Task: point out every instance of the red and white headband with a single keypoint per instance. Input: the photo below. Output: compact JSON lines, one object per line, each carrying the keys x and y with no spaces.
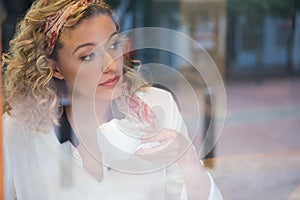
{"x":54,"y":23}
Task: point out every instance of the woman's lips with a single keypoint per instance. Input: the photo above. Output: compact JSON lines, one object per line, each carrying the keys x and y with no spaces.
{"x":110,"y":82}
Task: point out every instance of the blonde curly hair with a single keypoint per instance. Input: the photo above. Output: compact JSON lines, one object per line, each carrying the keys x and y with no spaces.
{"x":30,"y":91}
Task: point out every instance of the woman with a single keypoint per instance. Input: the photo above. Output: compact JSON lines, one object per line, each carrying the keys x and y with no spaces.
{"x":76,"y":44}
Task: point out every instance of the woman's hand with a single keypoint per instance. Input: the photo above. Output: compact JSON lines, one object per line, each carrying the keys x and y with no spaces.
{"x":170,"y":145}
{"x":174,"y":147}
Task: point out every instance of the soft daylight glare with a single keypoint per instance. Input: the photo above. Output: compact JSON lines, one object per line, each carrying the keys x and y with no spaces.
{"x":233,"y":70}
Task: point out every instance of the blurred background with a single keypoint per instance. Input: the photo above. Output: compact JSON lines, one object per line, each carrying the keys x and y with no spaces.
{"x":256,"y":46}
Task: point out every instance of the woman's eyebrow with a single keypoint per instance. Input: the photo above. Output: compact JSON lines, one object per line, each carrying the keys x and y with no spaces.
{"x":83,"y":45}
{"x":91,"y":43}
{"x":114,"y":33}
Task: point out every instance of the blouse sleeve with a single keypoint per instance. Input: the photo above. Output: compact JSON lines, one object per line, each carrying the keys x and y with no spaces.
{"x":166,"y":108}
{"x":9,"y":188}
{"x":168,"y":114}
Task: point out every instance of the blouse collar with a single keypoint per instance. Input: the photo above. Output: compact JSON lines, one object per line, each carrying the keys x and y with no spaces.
{"x":65,"y":132}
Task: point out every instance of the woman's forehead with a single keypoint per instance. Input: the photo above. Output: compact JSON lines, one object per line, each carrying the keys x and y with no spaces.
{"x":96,"y":29}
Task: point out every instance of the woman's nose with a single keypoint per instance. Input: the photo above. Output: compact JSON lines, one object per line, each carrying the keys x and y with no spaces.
{"x":110,"y":63}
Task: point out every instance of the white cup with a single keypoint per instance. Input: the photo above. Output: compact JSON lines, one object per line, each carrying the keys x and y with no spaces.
{"x":118,"y":139}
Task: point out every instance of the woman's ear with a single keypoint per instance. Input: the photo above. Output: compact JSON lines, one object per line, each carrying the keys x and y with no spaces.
{"x":56,"y":71}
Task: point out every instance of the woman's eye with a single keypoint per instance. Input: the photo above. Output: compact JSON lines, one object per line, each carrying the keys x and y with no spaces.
{"x":88,"y":57}
{"x":117,"y":43}
{"x":114,"y":45}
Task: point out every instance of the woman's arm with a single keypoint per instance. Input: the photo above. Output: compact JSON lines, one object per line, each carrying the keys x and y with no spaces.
{"x":197,"y":181}
{"x":176,"y":147}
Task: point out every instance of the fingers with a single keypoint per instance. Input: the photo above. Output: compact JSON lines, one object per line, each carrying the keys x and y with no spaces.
{"x":164,"y":146}
{"x":162,"y":140}
{"x":151,"y":150}
{"x":163,"y":154}
{"x":165,"y":135}
{"x":157,"y":142}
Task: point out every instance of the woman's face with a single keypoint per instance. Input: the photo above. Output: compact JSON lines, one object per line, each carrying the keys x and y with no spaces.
{"x":91,"y":60}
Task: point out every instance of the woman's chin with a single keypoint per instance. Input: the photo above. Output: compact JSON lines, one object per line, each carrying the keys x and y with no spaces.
{"x":108,"y":94}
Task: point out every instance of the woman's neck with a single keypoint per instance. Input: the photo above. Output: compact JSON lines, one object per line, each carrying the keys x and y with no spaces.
{"x":87,"y":112}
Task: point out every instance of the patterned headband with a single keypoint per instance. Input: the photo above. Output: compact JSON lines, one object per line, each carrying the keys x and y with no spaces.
{"x":54,"y":23}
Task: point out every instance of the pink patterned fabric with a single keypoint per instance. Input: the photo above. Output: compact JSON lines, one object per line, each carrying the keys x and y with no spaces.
{"x":54,"y":23}
{"x":136,"y":108}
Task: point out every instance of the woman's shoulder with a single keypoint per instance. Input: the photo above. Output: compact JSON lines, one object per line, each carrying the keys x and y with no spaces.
{"x":159,"y":94}
{"x":10,"y":121}
{"x":12,"y":126}
{"x":17,"y":134}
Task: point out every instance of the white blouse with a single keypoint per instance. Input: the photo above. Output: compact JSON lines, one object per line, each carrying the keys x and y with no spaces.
{"x":39,"y":167}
